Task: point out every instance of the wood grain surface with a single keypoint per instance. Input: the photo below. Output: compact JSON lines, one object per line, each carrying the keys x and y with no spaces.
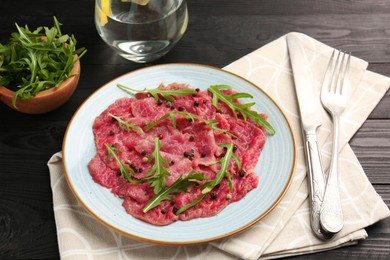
{"x":219,"y":32}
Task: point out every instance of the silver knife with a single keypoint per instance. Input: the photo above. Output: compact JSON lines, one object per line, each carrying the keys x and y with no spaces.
{"x":311,"y":118}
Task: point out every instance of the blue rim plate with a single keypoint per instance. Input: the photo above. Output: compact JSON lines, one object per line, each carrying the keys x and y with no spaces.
{"x":275,"y":167}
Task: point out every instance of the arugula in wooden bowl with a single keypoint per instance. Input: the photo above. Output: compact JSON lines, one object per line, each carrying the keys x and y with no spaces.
{"x":39,"y":70}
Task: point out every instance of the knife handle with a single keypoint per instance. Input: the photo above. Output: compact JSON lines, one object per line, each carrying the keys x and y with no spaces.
{"x":316,"y":183}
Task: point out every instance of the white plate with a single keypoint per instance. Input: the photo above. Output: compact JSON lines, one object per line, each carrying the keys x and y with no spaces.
{"x":274,"y":168}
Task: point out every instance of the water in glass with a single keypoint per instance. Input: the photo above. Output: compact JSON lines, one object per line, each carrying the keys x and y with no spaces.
{"x":141,"y":30}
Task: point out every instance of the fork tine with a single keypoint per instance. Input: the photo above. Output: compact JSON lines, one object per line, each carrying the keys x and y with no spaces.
{"x":337,"y":69}
{"x":342,"y":70}
{"x":327,"y":83}
{"x":344,"y":87}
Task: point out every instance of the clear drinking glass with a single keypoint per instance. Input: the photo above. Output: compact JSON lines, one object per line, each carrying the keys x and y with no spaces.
{"x":141,"y":30}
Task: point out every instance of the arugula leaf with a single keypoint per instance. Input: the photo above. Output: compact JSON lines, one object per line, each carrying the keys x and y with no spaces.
{"x":189,"y":116}
{"x":223,"y":172}
{"x":243,"y":109}
{"x":171,"y":115}
{"x":157,"y":174}
{"x":213,"y":125}
{"x":124,"y":170}
{"x":180,"y":185}
{"x":34,"y":61}
{"x":168,"y":94}
{"x":125,"y":125}
{"x":237,"y":160}
{"x":191,"y":204}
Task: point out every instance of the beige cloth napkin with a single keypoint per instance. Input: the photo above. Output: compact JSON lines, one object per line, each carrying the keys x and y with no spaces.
{"x":286,"y":230}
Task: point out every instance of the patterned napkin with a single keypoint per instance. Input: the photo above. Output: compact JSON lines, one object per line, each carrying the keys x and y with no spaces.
{"x":286,"y":230}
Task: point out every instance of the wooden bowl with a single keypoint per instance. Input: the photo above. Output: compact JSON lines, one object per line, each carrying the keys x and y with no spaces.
{"x":47,"y":100}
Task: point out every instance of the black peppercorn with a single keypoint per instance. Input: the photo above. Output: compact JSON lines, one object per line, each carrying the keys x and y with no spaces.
{"x":213,"y":196}
{"x":180,"y":108}
{"x":196,"y":103}
{"x":175,"y":209}
{"x":143,"y":153}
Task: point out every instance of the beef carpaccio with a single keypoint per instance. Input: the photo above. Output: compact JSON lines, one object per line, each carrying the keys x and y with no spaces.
{"x":175,"y":158}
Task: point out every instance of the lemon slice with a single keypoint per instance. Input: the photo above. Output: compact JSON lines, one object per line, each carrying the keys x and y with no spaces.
{"x":106,"y":7}
{"x":103,"y":12}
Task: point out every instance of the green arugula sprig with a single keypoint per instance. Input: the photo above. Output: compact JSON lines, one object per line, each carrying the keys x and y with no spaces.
{"x":168,"y":94}
{"x":126,"y":125}
{"x":180,"y":185}
{"x":243,"y":109}
{"x":158,"y":173}
{"x":126,"y":171}
{"x":223,"y":172}
{"x":189,"y":116}
{"x":34,"y":61}
{"x":171,"y":115}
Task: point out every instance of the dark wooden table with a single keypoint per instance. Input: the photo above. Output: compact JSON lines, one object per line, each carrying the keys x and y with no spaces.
{"x":219,"y":32}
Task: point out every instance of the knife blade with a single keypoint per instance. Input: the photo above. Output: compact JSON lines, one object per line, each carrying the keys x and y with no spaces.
{"x":311,"y":119}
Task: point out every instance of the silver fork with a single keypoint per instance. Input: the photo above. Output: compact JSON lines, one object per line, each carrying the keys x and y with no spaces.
{"x":334,"y":95}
